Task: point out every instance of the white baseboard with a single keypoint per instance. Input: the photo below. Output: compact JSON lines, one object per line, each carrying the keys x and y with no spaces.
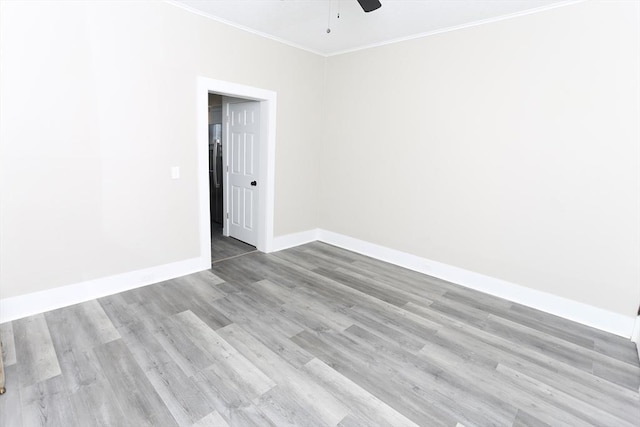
{"x":294,"y":239}
{"x":38,"y":302}
{"x":563,"y":307}
{"x":635,"y":335}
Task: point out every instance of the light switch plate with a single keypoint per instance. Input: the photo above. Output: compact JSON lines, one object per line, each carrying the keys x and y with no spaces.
{"x":175,"y":172}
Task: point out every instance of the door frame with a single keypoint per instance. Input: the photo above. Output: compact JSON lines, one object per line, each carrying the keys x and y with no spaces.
{"x":266,"y":158}
{"x":227,"y":102}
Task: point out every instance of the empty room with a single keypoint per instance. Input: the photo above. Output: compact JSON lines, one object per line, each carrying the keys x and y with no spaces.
{"x":320,"y":213}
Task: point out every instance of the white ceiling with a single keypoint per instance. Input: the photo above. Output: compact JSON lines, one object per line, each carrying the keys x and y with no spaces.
{"x":304,"y":23}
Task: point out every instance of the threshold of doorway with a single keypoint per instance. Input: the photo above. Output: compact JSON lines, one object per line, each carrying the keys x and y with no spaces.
{"x":232,"y":257}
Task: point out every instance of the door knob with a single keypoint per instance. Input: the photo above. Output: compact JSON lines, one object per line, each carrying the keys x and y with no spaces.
{"x":253,"y":183}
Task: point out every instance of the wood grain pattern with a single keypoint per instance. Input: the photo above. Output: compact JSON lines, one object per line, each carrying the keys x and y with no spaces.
{"x":34,"y":350}
{"x":312,"y":336}
{"x":226,"y":247}
{"x":8,"y":344}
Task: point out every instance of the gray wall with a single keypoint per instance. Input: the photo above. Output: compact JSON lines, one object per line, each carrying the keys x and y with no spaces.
{"x":509,"y":149}
{"x":98,"y":103}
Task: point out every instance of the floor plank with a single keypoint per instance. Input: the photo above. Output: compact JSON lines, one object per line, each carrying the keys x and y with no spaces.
{"x":223,"y":247}
{"x":35,"y":350}
{"x":132,"y":389}
{"x":365,"y":406}
{"x":8,"y":344}
{"x":312,"y":336}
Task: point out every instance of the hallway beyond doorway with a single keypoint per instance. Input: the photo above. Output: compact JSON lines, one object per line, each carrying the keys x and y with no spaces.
{"x":223,"y":247}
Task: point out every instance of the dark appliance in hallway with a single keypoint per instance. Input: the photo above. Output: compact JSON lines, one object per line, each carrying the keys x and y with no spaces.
{"x":215,"y":176}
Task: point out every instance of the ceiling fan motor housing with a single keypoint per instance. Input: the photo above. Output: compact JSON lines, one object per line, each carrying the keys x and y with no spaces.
{"x":369,"y":5}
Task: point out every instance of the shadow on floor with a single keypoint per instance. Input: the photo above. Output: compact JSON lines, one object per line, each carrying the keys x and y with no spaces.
{"x":223,"y":247}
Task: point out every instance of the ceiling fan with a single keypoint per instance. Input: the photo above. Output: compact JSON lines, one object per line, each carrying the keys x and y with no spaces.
{"x":369,"y":5}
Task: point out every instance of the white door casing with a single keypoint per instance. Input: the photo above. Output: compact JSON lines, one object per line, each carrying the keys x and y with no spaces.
{"x":243,"y":170}
{"x":268,"y":118}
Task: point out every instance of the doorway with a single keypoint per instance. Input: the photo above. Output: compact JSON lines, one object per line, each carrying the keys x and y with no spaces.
{"x":233,"y":148}
{"x":265,"y":102}
{"x":216,"y":188}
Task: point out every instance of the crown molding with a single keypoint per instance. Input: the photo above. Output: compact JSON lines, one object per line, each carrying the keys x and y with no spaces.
{"x":242,"y":27}
{"x":378,"y":44}
{"x":459,"y":27}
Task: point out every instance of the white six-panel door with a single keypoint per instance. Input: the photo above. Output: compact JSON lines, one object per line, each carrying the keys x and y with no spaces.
{"x":243,"y":129}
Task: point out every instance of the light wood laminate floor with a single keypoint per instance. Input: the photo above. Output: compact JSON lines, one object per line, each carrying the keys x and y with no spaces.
{"x":223,"y":247}
{"x":312,"y":336}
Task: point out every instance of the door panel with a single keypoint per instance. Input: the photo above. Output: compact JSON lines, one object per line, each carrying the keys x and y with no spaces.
{"x":248,"y":204}
{"x":244,"y":132}
{"x":249,"y":158}
{"x":235,"y":205}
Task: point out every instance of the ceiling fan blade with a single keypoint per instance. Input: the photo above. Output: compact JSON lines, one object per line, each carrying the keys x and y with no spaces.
{"x":369,"y":5}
